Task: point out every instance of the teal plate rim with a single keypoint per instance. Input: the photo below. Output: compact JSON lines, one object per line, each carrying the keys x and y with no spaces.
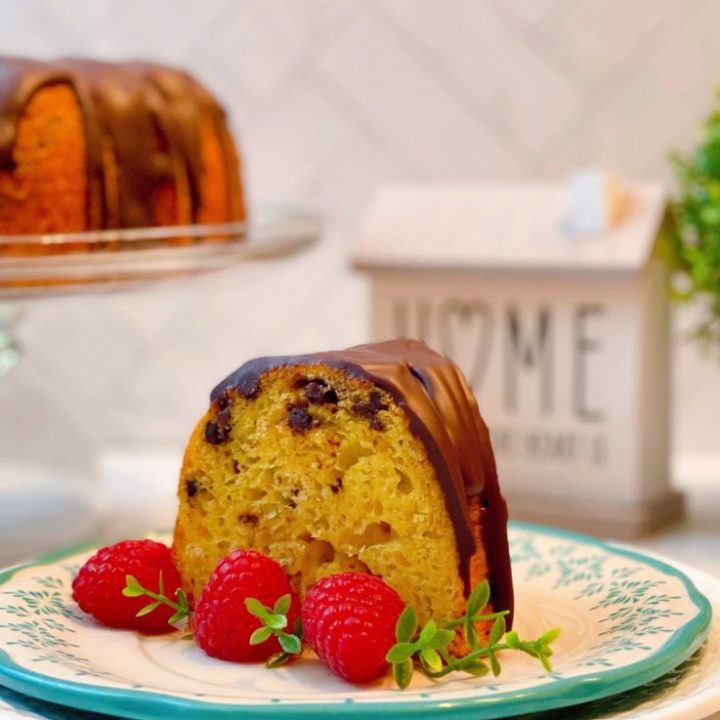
{"x":144,"y":705}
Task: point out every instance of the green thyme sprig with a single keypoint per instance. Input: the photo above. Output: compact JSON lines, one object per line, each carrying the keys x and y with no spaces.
{"x":133,"y":588}
{"x":429,"y":646}
{"x":274,"y":623}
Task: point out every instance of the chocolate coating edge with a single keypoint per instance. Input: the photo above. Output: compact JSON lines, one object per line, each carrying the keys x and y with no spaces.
{"x":444,"y":415}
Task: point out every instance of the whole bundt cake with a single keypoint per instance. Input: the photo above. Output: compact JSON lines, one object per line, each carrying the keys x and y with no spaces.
{"x":94,"y":145}
{"x":373,"y":459}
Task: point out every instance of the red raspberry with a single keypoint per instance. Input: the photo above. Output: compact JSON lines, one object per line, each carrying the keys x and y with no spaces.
{"x":98,"y":586}
{"x":221,"y":622}
{"x":349,"y":621}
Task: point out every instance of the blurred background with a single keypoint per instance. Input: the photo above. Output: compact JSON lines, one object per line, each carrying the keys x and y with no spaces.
{"x":329,"y":99}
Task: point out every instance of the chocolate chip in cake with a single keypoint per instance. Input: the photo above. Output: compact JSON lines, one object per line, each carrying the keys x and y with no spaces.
{"x":224,"y":401}
{"x":218,"y":431}
{"x":336,"y":487}
{"x":249,"y":386}
{"x":191,"y":488}
{"x":299,"y":418}
{"x":371,"y":408}
{"x":291,"y":504}
{"x":318,"y":392}
{"x":236,"y":467}
{"x":249,"y":519}
{"x":315,"y":391}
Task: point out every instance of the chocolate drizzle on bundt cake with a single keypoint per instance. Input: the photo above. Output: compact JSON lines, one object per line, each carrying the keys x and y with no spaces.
{"x":151,"y":144}
{"x":373,"y":458}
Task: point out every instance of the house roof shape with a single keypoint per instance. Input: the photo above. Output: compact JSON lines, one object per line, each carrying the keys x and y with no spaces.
{"x":503,"y":226}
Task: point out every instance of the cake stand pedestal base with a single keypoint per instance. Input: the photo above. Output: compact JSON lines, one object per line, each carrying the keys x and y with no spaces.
{"x":48,"y":477}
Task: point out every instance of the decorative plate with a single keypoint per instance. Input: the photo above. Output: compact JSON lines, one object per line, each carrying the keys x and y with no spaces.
{"x":627,"y":619}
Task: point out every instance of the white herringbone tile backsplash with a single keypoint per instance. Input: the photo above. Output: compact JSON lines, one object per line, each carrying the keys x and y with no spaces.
{"x":329,"y":98}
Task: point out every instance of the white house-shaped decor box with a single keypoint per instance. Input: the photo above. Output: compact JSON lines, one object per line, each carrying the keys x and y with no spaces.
{"x":564,"y":338}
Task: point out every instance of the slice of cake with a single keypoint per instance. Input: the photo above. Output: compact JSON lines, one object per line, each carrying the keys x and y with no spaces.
{"x":90,"y":145}
{"x":372,"y":459}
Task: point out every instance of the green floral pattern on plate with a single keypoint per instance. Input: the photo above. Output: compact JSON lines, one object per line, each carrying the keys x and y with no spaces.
{"x":626,"y":620}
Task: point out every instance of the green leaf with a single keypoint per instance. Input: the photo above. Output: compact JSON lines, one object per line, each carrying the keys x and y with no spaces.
{"x":431,"y":657}
{"x":471,"y":633}
{"x":402,"y":673}
{"x":546,"y":663}
{"x":710,"y":215}
{"x":290,"y":643}
{"x":277,"y":660}
{"x":549,"y":636}
{"x":400,"y":652}
{"x":476,"y":668}
{"x":441,"y":639}
{"x":182,"y":600}
{"x":148,"y":609}
{"x":132,"y":587}
{"x":260,"y":635}
{"x":494,"y":665}
{"x":406,"y":626}
{"x":427,"y":633}
{"x":497,"y":631}
{"x":512,"y":639}
{"x":479,"y":598}
{"x":282,"y":605}
{"x":256,"y":608}
{"x":276,"y":622}
{"x":178,"y":616}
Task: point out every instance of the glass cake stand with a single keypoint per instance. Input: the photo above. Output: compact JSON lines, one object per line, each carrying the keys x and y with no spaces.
{"x":49,"y":494}
{"x":32,"y":266}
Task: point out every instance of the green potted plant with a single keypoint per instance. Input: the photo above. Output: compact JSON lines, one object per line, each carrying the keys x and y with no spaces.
{"x":693,"y":233}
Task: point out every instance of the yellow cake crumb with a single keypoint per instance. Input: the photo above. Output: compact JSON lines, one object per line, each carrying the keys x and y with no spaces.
{"x":348,"y":493}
